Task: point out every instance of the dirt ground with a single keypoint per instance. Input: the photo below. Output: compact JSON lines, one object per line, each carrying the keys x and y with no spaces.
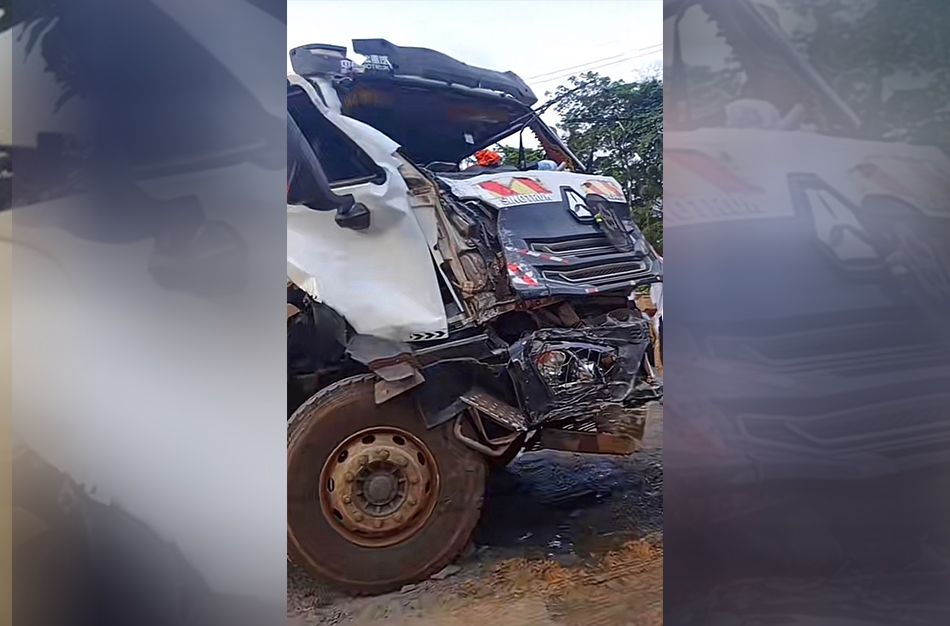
{"x":565,"y":540}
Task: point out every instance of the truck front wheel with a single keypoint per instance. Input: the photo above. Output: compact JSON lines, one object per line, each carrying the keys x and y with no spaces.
{"x":376,"y":500}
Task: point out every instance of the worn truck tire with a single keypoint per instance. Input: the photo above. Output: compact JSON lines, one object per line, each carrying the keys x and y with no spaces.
{"x":375,"y":500}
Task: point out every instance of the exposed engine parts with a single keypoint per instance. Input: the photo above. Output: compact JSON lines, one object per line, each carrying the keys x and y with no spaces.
{"x":566,"y":374}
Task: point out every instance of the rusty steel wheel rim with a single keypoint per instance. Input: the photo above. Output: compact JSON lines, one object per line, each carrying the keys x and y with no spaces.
{"x":378,"y":488}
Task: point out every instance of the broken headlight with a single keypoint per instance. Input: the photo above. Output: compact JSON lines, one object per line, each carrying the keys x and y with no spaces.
{"x":551,"y":366}
{"x":575,"y":365}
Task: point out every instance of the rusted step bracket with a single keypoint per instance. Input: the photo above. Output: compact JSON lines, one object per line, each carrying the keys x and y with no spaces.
{"x":589,"y":443}
{"x":501,"y":412}
{"x":481,"y":404}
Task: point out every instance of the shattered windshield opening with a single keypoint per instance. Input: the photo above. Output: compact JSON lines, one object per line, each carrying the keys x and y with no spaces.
{"x":532,"y":129}
{"x":432,"y":123}
{"x":441,"y":126}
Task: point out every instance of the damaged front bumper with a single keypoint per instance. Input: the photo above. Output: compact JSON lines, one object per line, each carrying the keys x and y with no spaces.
{"x":595,"y":378}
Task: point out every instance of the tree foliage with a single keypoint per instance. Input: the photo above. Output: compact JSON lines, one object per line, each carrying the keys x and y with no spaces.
{"x":617,"y":128}
{"x":890,"y":61}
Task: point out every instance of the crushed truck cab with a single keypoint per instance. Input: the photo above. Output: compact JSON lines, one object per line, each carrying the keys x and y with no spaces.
{"x":444,"y":317}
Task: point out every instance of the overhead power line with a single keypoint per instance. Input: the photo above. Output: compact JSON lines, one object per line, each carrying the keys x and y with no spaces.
{"x":564,"y":74}
{"x":579,"y":65}
{"x":574,"y":67}
{"x":610,"y":43}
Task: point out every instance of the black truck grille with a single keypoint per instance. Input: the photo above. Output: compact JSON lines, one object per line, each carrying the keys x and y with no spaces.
{"x":606,"y":274}
{"x":584,"y":247}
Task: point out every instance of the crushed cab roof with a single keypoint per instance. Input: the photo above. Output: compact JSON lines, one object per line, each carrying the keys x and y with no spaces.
{"x":436,"y":107}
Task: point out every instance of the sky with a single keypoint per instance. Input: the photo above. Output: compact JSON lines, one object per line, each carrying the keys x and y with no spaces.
{"x":543,"y":42}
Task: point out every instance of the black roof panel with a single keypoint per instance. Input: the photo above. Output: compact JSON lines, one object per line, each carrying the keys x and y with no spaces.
{"x":425,"y":63}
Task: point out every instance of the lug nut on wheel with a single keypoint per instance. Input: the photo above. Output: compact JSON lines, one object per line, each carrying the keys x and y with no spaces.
{"x":348,"y":477}
{"x":358,"y":516}
{"x":347,"y":499}
{"x":363,"y":460}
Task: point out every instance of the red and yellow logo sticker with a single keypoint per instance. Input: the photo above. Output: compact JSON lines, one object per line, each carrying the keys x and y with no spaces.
{"x":695,"y":173}
{"x":518,"y":190}
{"x":698,"y":188}
{"x":922,"y":183}
{"x":603,"y":188}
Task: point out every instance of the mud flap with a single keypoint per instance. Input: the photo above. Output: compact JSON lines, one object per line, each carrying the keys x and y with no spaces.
{"x":389,"y":389}
{"x":391,"y":361}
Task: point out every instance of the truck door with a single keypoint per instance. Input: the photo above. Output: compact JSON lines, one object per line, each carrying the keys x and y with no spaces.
{"x":381,"y":279}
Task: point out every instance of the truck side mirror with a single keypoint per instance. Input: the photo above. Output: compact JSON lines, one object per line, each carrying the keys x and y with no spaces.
{"x":307,"y":183}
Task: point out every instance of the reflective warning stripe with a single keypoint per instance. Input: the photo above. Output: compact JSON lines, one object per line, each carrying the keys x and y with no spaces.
{"x":545,"y":256}
{"x":519,"y":275}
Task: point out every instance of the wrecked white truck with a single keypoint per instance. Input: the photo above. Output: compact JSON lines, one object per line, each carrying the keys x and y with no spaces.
{"x":441,"y":319}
